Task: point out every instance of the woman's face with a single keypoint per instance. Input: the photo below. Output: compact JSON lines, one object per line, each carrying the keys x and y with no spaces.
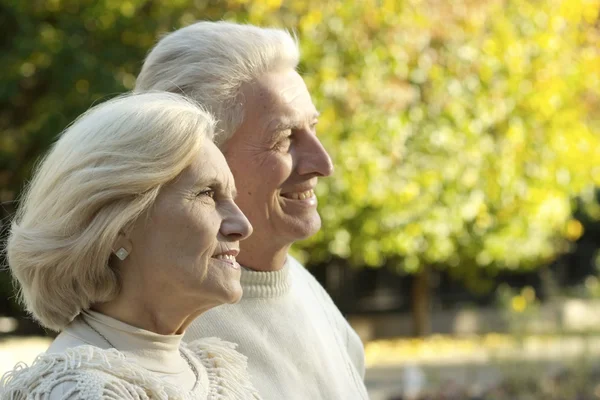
{"x":186,"y":245}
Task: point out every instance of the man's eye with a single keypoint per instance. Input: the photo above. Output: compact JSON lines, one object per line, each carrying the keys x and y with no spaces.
{"x":283,"y":142}
{"x":208,"y":193}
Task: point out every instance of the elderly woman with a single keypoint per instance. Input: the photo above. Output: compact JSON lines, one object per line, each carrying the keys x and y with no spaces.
{"x":127,"y":233}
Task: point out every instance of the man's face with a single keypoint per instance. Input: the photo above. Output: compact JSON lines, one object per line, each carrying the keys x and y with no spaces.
{"x":276,"y":159}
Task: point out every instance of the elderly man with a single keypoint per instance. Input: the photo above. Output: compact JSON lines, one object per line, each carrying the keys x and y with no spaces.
{"x":298,"y":344}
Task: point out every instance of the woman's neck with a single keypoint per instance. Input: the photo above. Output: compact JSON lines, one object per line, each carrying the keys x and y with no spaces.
{"x":164,"y":317}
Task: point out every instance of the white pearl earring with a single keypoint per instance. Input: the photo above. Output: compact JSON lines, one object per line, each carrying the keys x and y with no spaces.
{"x":122,"y":253}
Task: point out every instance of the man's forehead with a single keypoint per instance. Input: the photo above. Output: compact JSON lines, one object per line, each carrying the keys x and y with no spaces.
{"x":282,"y":89}
{"x":278,"y":101}
{"x":292,"y":103}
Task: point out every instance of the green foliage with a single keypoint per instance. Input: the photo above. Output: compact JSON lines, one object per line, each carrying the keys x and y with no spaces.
{"x":58,"y":58}
{"x":461,"y":131}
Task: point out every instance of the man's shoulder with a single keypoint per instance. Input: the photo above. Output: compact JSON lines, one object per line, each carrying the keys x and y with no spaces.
{"x":299,"y":271}
{"x":301,"y":275}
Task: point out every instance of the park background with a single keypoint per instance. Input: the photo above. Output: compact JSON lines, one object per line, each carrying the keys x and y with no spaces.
{"x":461,"y":228}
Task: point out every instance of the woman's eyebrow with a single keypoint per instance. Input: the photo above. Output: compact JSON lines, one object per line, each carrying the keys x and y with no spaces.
{"x":218,"y":185}
{"x":204,"y":182}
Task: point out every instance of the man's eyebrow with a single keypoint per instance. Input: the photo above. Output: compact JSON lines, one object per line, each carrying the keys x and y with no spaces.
{"x":291,"y":122}
{"x":281,"y":124}
{"x":279,"y":133}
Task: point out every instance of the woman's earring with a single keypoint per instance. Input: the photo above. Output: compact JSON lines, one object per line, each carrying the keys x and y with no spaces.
{"x":122,"y":253}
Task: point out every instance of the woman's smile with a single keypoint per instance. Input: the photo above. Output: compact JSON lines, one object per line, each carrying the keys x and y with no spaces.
{"x":228,"y":258}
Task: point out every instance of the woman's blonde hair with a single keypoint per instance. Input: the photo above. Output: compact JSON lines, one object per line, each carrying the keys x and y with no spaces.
{"x":104,"y":171}
{"x":210,"y":61}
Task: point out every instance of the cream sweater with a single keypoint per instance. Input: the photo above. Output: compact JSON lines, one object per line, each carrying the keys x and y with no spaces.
{"x":298,"y":344}
{"x":80,"y":364}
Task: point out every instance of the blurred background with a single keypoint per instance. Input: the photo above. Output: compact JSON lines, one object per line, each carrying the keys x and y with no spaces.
{"x":461,"y":230}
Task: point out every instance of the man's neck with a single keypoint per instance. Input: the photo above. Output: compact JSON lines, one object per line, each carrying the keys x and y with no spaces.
{"x":266,"y":261}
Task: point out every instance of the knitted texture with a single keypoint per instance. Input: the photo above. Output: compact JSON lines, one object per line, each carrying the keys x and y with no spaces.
{"x":299,"y":346}
{"x":90,"y":373}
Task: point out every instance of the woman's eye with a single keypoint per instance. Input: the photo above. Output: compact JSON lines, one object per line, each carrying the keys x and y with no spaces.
{"x":208,"y":193}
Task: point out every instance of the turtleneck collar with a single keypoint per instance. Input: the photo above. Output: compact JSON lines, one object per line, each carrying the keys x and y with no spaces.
{"x":259,"y":284}
{"x":158,"y":353}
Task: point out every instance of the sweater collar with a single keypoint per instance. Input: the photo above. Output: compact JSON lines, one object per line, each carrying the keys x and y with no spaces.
{"x":158,"y":353}
{"x":260,"y":284}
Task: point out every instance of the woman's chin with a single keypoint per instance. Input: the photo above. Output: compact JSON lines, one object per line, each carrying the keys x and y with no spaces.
{"x":232,"y":293}
{"x":236,"y":295}
{"x":222,"y":282}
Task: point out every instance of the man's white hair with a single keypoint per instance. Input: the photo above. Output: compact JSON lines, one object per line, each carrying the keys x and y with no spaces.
{"x":210,"y":61}
{"x":104,"y":172}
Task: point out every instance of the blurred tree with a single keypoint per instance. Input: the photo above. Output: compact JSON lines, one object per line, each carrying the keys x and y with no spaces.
{"x":461,"y":131}
{"x":59,"y":57}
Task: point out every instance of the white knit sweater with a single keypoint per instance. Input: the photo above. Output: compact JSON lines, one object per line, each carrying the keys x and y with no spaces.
{"x":150,"y":366}
{"x":298,"y":344}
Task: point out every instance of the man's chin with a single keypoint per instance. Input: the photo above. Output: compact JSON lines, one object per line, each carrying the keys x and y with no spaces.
{"x":300,"y":229}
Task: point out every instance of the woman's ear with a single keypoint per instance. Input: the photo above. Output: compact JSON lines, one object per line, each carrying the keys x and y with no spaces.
{"x":122,"y":247}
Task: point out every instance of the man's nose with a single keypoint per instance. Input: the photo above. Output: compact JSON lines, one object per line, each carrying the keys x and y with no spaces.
{"x":313,"y":159}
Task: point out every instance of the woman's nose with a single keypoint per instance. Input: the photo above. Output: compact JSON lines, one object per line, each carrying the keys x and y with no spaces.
{"x":235,"y":225}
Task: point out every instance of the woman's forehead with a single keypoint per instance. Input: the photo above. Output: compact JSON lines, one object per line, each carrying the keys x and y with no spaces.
{"x":208,"y":168}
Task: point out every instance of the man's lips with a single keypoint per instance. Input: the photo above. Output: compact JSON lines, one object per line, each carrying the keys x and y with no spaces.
{"x":300,"y":195}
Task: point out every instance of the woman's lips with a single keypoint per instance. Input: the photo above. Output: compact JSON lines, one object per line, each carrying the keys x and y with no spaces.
{"x":228,"y":257}
{"x":228,"y":260}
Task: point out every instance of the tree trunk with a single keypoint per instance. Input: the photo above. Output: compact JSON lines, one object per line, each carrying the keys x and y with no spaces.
{"x":420,"y":296}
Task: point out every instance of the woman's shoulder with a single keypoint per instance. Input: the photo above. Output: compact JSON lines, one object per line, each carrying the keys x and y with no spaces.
{"x":91,"y":373}
{"x":86,"y":384}
{"x":227,"y":368}
{"x":216,"y":353}
{"x":83,"y":372}
{"x":205,"y":344}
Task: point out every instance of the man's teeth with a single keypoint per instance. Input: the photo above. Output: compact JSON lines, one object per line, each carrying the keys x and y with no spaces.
{"x":225,"y":257}
{"x":301,"y":195}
